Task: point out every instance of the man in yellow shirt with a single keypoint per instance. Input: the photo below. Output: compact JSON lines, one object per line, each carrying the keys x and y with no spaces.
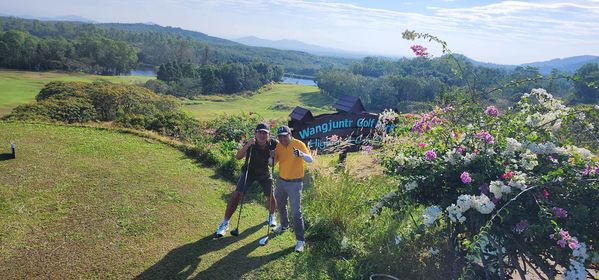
{"x":291,"y":154}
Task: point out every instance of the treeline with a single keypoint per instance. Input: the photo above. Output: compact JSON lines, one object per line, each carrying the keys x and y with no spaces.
{"x":189,"y":80}
{"x":152,"y":45}
{"x":409,"y":84}
{"x":91,"y":53}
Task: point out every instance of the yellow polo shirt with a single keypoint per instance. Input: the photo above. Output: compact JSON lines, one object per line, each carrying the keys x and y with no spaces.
{"x":290,"y":166}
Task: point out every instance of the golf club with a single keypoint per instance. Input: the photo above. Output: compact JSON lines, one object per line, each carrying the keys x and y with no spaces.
{"x":235,"y":232}
{"x":264,"y":240}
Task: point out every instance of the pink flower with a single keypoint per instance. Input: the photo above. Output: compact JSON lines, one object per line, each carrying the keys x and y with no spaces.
{"x":573,"y":243}
{"x":483,"y":134}
{"x":334,"y":138}
{"x":465,"y":177}
{"x":422,"y":145}
{"x":368,"y":148}
{"x":507,"y":175}
{"x":430,"y":154}
{"x":559,"y":212}
{"x":460,"y":149}
{"x":419,"y":50}
{"x":597,"y":169}
{"x":587,"y":170}
{"x":552,"y":236}
{"x":564,"y":234}
{"x":492,"y":111}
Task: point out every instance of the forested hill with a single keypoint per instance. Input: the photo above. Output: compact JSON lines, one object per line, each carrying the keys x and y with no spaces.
{"x":116,"y":48}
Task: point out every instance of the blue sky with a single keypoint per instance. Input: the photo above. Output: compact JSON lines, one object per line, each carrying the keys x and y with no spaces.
{"x":506,"y":32}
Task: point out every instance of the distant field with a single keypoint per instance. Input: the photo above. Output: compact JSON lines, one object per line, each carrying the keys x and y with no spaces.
{"x":274,"y":103}
{"x":20,"y":87}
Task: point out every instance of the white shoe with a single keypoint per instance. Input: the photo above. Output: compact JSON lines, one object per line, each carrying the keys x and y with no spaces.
{"x":271,"y":220}
{"x":299,"y":246}
{"x":222,"y":229}
{"x":279,"y":229}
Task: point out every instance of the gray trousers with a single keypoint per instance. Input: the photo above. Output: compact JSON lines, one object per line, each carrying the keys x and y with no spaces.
{"x":293,"y":191}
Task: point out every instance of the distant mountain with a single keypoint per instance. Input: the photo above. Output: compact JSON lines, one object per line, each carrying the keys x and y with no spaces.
{"x":568,"y":64}
{"x":141,"y":27}
{"x":57,"y":18}
{"x":296,"y":45}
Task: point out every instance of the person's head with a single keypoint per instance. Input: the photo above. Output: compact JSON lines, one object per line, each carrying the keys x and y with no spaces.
{"x":284,"y":135}
{"x":261,"y":133}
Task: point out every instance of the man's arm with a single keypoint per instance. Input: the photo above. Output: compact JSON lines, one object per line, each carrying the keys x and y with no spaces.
{"x":243,"y":150}
{"x":303,"y":153}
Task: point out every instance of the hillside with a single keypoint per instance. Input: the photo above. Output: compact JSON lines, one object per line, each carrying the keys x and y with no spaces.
{"x":96,"y":204}
{"x":296,"y":45}
{"x":20,"y":87}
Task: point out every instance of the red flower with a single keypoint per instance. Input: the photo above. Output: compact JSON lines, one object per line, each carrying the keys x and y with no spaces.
{"x":507,"y":175}
{"x":545,"y":194}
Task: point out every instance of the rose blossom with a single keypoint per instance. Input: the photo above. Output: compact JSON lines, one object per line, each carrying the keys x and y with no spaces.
{"x":465,"y":177}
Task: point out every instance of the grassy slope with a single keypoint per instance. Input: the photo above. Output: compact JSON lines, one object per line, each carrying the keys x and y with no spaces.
{"x":95,"y":204}
{"x":20,"y":87}
{"x":275,"y":102}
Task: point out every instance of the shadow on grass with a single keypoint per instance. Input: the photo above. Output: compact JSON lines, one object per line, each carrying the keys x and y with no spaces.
{"x":4,"y":157}
{"x":182,"y":262}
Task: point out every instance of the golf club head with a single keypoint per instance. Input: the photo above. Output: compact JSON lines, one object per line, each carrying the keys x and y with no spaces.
{"x":216,"y":235}
{"x":263,"y":241}
{"x":235,"y":232}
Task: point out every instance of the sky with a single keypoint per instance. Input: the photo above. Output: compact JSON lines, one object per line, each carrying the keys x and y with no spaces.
{"x":504,"y":32}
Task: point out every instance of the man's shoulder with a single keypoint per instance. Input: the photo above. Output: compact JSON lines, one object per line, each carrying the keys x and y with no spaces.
{"x":298,"y":143}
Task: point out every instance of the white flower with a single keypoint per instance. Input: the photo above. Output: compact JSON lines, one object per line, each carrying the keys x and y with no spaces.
{"x":483,"y":204}
{"x":590,"y":126}
{"x":344,"y":243}
{"x":512,"y":146}
{"x":410,"y":186}
{"x":518,"y":180}
{"x":431,"y":214}
{"x":469,"y":157}
{"x":397,"y":239}
{"x":528,"y":160}
{"x":497,"y":188}
{"x":455,"y":214}
{"x":456,"y":211}
{"x":401,"y":159}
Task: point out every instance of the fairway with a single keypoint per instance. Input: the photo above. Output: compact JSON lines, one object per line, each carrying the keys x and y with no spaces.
{"x":81,"y":203}
{"x":20,"y":87}
{"x":275,"y":102}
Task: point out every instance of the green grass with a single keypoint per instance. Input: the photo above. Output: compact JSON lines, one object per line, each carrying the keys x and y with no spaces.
{"x":272,"y":102}
{"x":97,"y":204}
{"x":20,"y":87}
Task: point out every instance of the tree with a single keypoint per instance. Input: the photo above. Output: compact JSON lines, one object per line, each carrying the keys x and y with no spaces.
{"x":586,"y":86}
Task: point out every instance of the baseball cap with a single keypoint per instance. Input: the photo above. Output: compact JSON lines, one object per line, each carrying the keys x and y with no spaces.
{"x":283,"y":130}
{"x":262,"y":127}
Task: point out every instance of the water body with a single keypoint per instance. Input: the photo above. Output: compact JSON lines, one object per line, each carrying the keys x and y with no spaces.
{"x":146,"y":72}
{"x":304,"y":82}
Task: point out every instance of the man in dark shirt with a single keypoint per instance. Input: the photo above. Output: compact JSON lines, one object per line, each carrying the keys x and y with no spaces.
{"x":258,"y":170}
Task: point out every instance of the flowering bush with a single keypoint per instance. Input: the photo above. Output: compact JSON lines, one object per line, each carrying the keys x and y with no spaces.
{"x":509,"y":189}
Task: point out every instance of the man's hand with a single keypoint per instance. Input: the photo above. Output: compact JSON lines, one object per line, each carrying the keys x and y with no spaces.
{"x":297,"y":153}
{"x":252,"y":141}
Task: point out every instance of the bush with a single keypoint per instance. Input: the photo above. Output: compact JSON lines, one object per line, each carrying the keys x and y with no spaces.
{"x":506,"y":186}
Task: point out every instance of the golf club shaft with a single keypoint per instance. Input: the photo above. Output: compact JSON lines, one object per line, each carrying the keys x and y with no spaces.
{"x":247,"y":169}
